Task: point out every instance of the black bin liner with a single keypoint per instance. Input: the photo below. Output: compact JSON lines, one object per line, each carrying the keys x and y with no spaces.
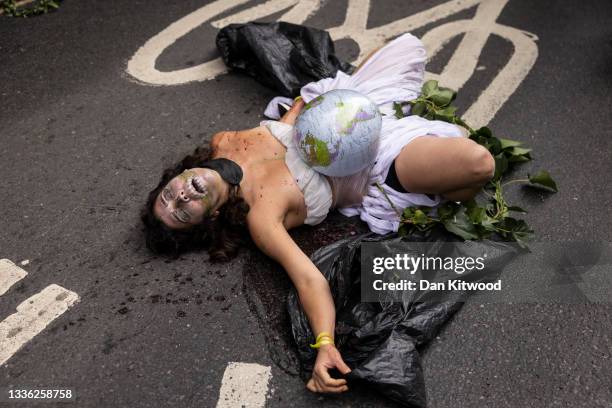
{"x":282,"y":56}
{"x":380,"y":341}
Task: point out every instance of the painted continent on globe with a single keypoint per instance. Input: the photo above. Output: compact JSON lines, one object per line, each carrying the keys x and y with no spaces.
{"x":337,"y":133}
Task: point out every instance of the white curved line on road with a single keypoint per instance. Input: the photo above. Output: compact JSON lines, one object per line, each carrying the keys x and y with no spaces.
{"x":508,"y":79}
{"x":464,"y":61}
{"x":142,"y":65}
{"x":299,"y":12}
{"x":457,"y":72}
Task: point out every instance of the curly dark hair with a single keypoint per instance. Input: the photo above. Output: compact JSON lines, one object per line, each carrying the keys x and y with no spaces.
{"x":222,"y":235}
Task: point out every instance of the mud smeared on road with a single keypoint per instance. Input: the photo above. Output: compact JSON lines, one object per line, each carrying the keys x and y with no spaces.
{"x":266,"y":285}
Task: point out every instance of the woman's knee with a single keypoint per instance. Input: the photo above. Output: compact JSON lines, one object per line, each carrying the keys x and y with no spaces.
{"x":482,"y":164}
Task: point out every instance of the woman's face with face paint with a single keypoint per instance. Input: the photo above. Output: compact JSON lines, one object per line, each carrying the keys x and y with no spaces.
{"x":190,"y":197}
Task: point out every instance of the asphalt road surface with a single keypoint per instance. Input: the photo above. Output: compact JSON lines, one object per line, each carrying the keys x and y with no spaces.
{"x":83,"y":140}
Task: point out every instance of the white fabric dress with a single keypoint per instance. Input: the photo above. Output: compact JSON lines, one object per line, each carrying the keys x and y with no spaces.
{"x":316,"y":189}
{"x":394,"y":73}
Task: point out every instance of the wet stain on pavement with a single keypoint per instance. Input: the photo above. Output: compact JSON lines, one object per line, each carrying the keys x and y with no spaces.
{"x":179,"y":288}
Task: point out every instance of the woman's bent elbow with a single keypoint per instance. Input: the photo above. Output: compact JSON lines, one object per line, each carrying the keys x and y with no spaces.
{"x":483,"y":165}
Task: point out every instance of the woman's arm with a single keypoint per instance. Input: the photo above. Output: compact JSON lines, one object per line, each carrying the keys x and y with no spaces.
{"x":293,"y":113}
{"x":313,"y":290}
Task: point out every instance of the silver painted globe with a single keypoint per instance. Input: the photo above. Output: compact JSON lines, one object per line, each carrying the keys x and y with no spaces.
{"x":338,"y":132}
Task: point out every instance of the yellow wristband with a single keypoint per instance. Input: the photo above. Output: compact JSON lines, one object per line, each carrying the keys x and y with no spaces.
{"x":297,"y":98}
{"x":322,"y":339}
{"x":323,"y":342}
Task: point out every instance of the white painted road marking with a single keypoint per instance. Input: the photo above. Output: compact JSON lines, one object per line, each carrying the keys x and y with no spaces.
{"x":9,"y":275}
{"x":464,"y":61}
{"x":142,"y":65}
{"x":244,"y":385}
{"x":459,"y":69}
{"x":32,"y":316}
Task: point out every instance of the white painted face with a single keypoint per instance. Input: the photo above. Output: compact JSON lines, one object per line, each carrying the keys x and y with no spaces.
{"x":190,"y":197}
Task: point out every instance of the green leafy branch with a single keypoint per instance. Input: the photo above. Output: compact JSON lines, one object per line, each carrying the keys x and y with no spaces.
{"x":473,"y":219}
{"x":12,"y":8}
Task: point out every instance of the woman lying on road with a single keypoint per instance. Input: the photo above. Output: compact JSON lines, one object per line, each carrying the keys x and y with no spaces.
{"x":254,"y":180}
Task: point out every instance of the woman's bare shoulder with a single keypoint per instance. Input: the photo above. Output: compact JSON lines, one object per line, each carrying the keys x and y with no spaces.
{"x":227,"y":137}
{"x":221,"y":137}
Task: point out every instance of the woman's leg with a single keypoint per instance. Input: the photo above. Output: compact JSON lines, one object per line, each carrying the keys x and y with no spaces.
{"x":456,"y":168}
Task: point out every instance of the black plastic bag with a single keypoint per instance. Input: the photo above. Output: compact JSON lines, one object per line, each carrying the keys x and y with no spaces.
{"x":380,"y":340}
{"x":281,"y":55}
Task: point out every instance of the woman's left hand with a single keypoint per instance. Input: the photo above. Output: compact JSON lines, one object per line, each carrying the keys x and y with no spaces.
{"x":328,"y":357}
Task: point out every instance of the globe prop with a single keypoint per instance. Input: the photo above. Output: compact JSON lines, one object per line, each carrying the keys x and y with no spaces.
{"x":338,"y":133}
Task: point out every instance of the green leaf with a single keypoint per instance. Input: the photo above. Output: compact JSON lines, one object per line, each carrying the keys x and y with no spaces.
{"x":397,"y":107}
{"x":516,"y":209}
{"x":501,"y":166}
{"x":447,"y":210}
{"x":481,"y":140}
{"x":484,"y":131}
{"x":543,"y":180}
{"x":449,"y":110}
{"x":420,"y":218}
{"x":476,"y":214}
{"x":519,"y":159}
{"x":408,"y":213}
{"x":518,"y":230}
{"x":469,"y":204}
{"x":429,"y":88}
{"x":473,"y":210}
{"x":447,"y":114}
{"x":506,"y":143}
{"x":489,"y":223}
{"x":514,"y":225}
{"x":443,"y":96}
{"x":493,"y":145}
{"x":418,"y":109}
{"x":461,"y":225}
{"x":519,"y":151}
